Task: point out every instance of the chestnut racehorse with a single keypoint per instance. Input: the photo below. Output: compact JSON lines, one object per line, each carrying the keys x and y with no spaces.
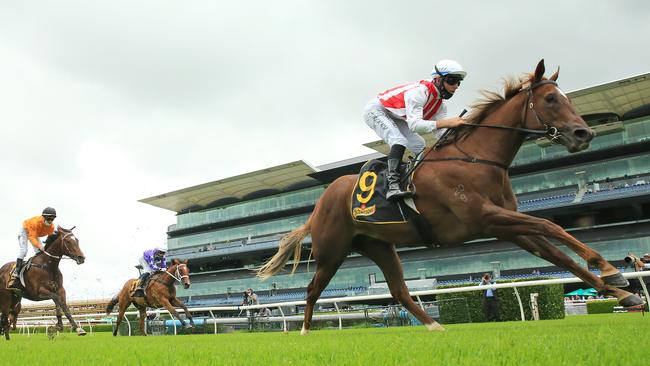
{"x":43,"y":280}
{"x":160,"y":292}
{"x":464,"y":193}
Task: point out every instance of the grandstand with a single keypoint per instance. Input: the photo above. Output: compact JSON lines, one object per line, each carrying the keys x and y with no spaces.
{"x":228,"y":227}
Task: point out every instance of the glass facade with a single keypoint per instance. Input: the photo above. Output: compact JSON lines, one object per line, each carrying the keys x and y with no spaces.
{"x":634,"y":130}
{"x":243,"y":232}
{"x":280,"y":202}
{"x":597,"y":171}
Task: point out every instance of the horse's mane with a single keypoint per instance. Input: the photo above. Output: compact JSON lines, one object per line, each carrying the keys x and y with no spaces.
{"x":51,"y":238}
{"x":490,"y":101}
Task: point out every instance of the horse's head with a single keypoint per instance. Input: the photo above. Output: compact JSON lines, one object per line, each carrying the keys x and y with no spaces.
{"x":548,"y":106}
{"x":182,"y":272}
{"x":70,"y":245}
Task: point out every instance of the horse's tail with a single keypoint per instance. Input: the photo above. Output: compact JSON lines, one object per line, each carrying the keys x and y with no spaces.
{"x":111,"y":305}
{"x":288,"y":244}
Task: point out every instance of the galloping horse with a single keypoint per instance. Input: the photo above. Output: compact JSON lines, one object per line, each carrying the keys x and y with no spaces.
{"x":160,"y":292}
{"x":464,"y":193}
{"x":43,"y":280}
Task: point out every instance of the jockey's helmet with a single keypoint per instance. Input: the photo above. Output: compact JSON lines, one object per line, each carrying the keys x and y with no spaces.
{"x":49,"y":212}
{"x":449,"y":71}
{"x":161,"y":248}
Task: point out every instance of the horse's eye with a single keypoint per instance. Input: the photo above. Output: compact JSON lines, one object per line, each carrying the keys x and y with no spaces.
{"x":551,"y":98}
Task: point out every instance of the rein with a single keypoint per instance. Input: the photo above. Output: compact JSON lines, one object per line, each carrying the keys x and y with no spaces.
{"x":551,"y":132}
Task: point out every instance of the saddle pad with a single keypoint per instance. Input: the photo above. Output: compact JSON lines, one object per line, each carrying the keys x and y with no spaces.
{"x":369,"y":202}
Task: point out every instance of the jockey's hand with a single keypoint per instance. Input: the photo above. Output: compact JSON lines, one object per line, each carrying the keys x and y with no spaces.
{"x":450,"y":122}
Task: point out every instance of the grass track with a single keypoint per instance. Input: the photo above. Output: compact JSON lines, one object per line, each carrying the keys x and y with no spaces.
{"x":611,"y":339}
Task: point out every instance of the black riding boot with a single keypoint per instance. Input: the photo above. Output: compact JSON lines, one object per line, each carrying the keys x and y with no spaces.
{"x":393,"y":174}
{"x":142,"y":283}
{"x":14,"y":281}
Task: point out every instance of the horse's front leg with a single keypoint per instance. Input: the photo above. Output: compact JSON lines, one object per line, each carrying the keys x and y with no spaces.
{"x":59,"y":319}
{"x":59,"y":300}
{"x":143,"y":315}
{"x":504,"y":223}
{"x":167,"y":305}
{"x":179,"y":304}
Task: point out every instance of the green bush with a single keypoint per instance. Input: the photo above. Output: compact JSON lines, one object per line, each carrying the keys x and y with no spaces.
{"x":601,"y":306}
{"x":550,"y":303}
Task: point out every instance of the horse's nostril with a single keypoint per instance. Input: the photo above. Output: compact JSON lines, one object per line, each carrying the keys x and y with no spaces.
{"x":583,"y":134}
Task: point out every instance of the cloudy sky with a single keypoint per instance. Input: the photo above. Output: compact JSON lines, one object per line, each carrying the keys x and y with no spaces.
{"x":103,"y":103}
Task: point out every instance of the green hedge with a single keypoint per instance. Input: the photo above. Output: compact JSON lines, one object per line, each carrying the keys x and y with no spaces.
{"x":601,"y":306}
{"x":453,"y":309}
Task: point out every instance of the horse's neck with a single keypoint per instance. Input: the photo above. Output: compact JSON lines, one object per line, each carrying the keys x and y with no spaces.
{"x":497,"y":144}
{"x":165,"y":276}
{"x":44,"y":258}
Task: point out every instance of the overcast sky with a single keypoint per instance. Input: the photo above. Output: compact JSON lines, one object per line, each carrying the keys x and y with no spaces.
{"x":103,"y":103}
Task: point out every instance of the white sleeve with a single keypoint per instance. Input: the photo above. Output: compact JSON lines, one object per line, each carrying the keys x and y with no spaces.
{"x":442,"y":113}
{"x":414,"y":100}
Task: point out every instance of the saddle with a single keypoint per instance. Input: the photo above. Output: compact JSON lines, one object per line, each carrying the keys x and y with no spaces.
{"x":369,"y":203}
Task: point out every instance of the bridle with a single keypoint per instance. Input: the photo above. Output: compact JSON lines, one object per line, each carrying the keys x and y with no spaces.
{"x":178,"y":276}
{"x":550,"y":131}
{"x":65,"y":245}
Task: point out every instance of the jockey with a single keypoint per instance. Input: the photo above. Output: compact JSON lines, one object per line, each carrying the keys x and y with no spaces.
{"x":152,"y":260}
{"x":399,"y":114}
{"x":32,"y":229}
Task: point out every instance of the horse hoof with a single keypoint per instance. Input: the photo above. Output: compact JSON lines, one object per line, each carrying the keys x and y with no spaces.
{"x":630,"y":301}
{"x":81,"y":332}
{"x":434,"y":326}
{"x":616,"y":280}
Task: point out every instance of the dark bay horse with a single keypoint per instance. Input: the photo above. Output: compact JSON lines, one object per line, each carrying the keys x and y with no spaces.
{"x":43,"y":280}
{"x":464,"y":192}
{"x":160,"y":292}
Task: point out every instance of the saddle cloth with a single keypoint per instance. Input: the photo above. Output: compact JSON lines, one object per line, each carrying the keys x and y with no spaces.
{"x":369,"y":202}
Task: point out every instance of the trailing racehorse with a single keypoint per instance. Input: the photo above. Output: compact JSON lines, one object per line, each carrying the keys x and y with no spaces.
{"x":43,"y":279}
{"x":463,"y":192}
{"x":159,"y":292}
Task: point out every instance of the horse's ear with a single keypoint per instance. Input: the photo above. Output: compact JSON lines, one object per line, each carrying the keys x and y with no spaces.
{"x":539,"y":71}
{"x":175,"y":261}
{"x":185,"y":261}
{"x":555,"y":75}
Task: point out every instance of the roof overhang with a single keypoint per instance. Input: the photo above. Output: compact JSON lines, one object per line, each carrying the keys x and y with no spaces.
{"x":277,"y":178}
{"x":617,"y":96}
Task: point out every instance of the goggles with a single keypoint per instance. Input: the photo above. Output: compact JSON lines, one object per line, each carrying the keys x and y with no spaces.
{"x":453,"y":79}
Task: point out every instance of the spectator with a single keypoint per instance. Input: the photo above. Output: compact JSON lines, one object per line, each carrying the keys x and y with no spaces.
{"x":250,"y":298}
{"x":490,"y":300}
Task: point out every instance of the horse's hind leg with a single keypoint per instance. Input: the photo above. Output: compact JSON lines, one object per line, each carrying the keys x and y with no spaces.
{"x":540,"y":246}
{"x":324,"y":273}
{"x":143,"y":315}
{"x":385,"y":256}
{"x":123,"y":304}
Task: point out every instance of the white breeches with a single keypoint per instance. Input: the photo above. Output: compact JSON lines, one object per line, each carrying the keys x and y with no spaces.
{"x":22,"y":242}
{"x":391,"y":129}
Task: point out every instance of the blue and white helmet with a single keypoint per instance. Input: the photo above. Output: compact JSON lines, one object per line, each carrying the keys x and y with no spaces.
{"x":448,"y":67}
